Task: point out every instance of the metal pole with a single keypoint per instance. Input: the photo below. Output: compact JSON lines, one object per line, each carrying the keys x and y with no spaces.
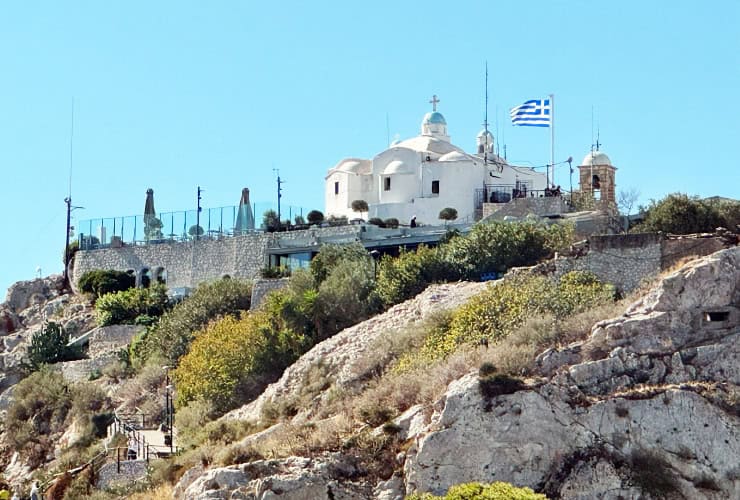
{"x":68,"y":201}
{"x":197,"y":217}
{"x":552,"y":138}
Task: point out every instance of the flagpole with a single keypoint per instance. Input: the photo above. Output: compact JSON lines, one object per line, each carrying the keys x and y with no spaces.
{"x":552,"y":138}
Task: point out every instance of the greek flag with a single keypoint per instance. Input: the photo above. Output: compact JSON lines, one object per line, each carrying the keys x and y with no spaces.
{"x":534,"y":113}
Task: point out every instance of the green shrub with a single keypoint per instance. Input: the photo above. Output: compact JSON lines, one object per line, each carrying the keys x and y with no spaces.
{"x":330,"y":256}
{"x":391,"y":222}
{"x":232,"y":360}
{"x":679,"y":213}
{"x":478,"y":491}
{"x":48,"y":346}
{"x":275,"y":272}
{"x":124,"y":307}
{"x":101,"y":282}
{"x":376,"y":221}
{"x":505,"y":305}
{"x":498,"y":246}
{"x":315,"y":217}
{"x":403,"y":277}
{"x":168,"y":340}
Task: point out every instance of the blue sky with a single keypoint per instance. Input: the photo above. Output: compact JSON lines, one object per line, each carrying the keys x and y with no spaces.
{"x":172,"y":95}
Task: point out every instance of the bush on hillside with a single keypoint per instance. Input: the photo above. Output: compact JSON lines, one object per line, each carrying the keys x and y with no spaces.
{"x":168,"y":340}
{"x":124,"y":307}
{"x":506,"y":305}
{"x":346,"y":296}
{"x":498,"y":246}
{"x":403,"y":277}
{"x":48,"y":346}
{"x":479,"y":491}
{"x":315,"y":217}
{"x":233,"y":359}
{"x":101,"y":282}
{"x":679,"y":213}
{"x":330,"y":256}
{"x":44,"y":406}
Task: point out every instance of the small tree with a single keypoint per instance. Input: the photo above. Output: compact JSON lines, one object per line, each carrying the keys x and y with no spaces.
{"x":270,"y":220}
{"x":299,"y":220}
{"x":49,"y":345}
{"x":315,"y":217}
{"x":359,"y":206}
{"x":195,"y":231}
{"x":448,"y":214}
{"x":626,"y":200}
{"x":391,"y":222}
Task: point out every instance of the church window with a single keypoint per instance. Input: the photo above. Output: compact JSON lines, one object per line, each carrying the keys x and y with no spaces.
{"x":336,"y":188}
{"x":386,"y":183}
{"x":596,"y":182}
{"x":480,"y":148}
{"x":435,"y":187}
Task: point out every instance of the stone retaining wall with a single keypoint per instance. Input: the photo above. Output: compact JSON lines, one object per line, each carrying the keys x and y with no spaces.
{"x":130,"y":470}
{"x":186,"y":264}
{"x":111,"y":338}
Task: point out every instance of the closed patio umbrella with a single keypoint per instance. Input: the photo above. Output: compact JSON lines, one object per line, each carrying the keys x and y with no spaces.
{"x":244,"y":217}
{"x":152,"y":225}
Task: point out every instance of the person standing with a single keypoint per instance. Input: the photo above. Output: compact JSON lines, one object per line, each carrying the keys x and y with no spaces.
{"x":413,"y":222}
{"x":35,"y":495}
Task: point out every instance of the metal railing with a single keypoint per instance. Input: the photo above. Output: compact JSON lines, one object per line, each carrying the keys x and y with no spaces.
{"x":214,"y":223}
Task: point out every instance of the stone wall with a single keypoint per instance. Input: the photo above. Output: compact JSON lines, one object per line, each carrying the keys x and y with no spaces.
{"x":186,"y":264}
{"x":521,"y":207}
{"x":627,"y":259}
{"x":624,"y":260}
{"x":130,"y":470}
{"x":111,"y":338}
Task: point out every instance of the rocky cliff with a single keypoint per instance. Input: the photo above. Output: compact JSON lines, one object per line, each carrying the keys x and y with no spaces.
{"x":646,"y":407}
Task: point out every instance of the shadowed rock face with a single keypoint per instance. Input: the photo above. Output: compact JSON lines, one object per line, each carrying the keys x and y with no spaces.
{"x":645,"y":408}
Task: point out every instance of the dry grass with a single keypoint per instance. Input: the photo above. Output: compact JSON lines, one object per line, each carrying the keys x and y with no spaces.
{"x":161,"y":492}
{"x":144,"y":392}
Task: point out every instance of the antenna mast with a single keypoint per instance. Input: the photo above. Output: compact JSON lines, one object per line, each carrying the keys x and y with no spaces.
{"x":279,"y":195}
{"x":68,"y":199}
{"x":485,"y":122}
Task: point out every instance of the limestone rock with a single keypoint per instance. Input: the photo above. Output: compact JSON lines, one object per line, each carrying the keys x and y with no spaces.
{"x":294,"y":478}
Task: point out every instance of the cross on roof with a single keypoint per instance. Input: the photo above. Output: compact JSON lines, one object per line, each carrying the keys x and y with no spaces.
{"x":434,"y":102}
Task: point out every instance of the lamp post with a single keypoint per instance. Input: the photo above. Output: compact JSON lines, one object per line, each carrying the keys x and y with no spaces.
{"x":168,"y":407}
{"x":375,"y":255}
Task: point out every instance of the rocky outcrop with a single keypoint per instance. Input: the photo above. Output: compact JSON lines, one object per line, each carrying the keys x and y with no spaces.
{"x":329,"y":477}
{"x":339,"y":355}
{"x":646,"y":407}
{"x":654,"y":414}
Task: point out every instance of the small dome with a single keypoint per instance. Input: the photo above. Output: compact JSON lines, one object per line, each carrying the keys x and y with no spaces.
{"x":397,"y":167}
{"x":453,"y":156}
{"x":435,"y":117}
{"x":595,"y":158}
{"x":482,"y":134}
{"x":350,"y":166}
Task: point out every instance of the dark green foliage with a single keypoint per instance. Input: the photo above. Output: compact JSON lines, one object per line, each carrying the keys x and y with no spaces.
{"x":48,"y":346}
{"x":391,"y":222}
{"x":196,"y":230}
{"x":169,"y":339}
{"x":124,"y":307}
{"x":376,"y":221}
{"x":275,"y":272}
{"x":101,"y":282}
{"x":491,"y":386}
{"x":653,"y":474}
{"x":448,"y":214}
{"x":331,"y":255}
{"x":298,"y":220}
{"x":410,"y":273}
{"x":359,"y":206}
{"x":315,"y":217}
{"x":333,"y":220}
{"x":270,"y":221}
{"x":487,"y":369}
{"x":498,"y":246}
{"x":679,"y":213}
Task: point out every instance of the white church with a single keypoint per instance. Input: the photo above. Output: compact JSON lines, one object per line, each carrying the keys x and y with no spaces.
{"x":422,"y":175}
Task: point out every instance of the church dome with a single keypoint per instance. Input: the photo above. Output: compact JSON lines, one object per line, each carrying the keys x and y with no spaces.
{"x":435,"y":117}
{"x":397,"y":167}
{"x":483,"y":133}
{"x":595,"y":158}
{"x":453,"y":156}
{"x":350,"y":166}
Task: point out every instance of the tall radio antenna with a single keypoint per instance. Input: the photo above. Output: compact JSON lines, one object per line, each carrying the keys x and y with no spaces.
{"x":485,"y":122}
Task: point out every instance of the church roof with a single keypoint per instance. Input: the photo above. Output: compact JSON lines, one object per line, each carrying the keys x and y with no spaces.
{"x":353,"y":166}
{"x":454,"y":156}
{"x":397,"y":167}
{"x":427,"y":144}
{"x":595,"y":158}
{"x":434,"y":117}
